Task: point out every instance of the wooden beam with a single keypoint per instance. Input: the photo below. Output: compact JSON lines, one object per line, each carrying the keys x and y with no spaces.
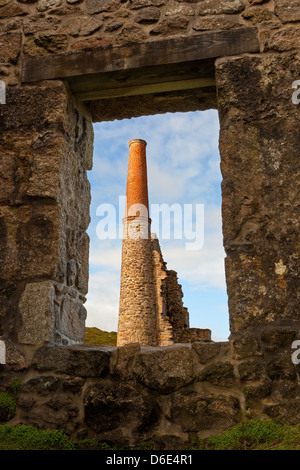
{"x":134,"y":56}
{"x":146,"y":80}
{"x":125,"y":107}
{"x":145,"y":89}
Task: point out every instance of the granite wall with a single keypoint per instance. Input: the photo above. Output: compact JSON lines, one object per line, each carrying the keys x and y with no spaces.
{"x":46,"y":149}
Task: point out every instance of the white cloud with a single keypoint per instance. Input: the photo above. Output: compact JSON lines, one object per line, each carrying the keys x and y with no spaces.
{"x":110,"y":257}
{"x":103,"y":301}
{"x":183,"y":167}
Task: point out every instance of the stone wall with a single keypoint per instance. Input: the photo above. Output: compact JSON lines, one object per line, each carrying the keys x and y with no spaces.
{"x":137,"y":311}
{"x":259,"y":145}
{"x":165,"y":332}
{"x":127,"y":394}
{"x":46,"y":148}
{"x":44,"y":27}
{"x":172,"y":317}
{"x":151,"y":308}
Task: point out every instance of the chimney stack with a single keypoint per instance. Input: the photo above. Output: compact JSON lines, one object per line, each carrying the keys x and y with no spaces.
{"x":137,"y":310}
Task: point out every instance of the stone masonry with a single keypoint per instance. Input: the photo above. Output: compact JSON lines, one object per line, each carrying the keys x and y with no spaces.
{"x":44,"y":216}
{"x":151,"y":310}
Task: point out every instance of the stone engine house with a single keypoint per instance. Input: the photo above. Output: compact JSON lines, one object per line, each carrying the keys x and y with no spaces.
{"x":151,"y":309}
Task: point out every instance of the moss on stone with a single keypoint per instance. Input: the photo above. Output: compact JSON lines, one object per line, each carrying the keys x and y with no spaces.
{"x":7,"y":402}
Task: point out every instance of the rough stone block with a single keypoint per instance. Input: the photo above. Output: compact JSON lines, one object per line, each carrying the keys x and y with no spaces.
{"x":218,"y":7}
{"x":82,"y":26}
{"x":31,"y":165}
{"x":45,"y":44}
{"x":258,"y":16}
{"x":71,"y":323}
{"x":98,"y":6}
{"x":171,"y":25}
{"x":259,"y":391}
{"x":73,"y":385}
{"x":42,"y":108}
{"x":123,"y":359}
{"x":36,"y":308}
{"x":287,"y":11}
{"x":276,"y":339}
{"x":10,"y":45}
{"x":45,"y":168}
{"x":282,"y":368}
{"x":86,"y":144}
{"x":14,"y":358}
{"x":238,"y":97}
{"x":189,"y":335}
{"x":57,"y":412}
{"x":197,"y":411}
{"x":43,"y":385}
{"x":246,"y":347}
{"x":7,"y":175}
{"x":11,"y":10}
{"x":148,"y":15}
{"x":283,"y":40}
{"x":286,"y":412}
{"x":76,"y":361}
{"x":216,"y":22}
{"x":83,"y":247}
{"x":110,"y":407}
{"x":31,"y":242}
{"x":251,"y":370}
{"x":210,"y":351}
{"x":44,"y":5}
{"x":145,"y":3}
{"x":165,"y":369}
{"x":129,"y":34}
{"x":175,"y":8}
{"x":35,"y":25}
{"x":218,"y":373}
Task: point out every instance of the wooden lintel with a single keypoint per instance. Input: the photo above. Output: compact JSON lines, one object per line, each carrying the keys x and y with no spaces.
{"x":145,"y":89}
{"x":134,"y":56}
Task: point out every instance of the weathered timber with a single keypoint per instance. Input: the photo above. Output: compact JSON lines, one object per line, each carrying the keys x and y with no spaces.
{"x":126,"y":107}
{"x":148,"y":80}
{"x":145,"y":89}
{"x":169,"y":51}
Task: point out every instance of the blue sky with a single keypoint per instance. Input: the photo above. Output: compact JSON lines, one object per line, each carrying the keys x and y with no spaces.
{"x":183,"y":168}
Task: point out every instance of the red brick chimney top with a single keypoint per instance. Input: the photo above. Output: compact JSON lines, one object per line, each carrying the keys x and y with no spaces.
{"x":137,"y":185}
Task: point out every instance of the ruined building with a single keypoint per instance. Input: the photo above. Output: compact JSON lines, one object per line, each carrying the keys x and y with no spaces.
{"x":67,"y":64}
{"x":151,"y":308}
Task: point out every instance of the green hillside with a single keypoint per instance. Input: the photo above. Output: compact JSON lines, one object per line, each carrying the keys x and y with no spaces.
{"x":94,"y":336}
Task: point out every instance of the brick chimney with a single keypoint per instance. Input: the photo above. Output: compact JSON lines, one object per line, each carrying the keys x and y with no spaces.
{"x":137,"y":310}
{"x":137,"y":183}
{"x":151,"y":310}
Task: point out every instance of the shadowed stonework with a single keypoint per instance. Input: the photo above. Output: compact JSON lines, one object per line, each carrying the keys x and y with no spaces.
{"x":66,"y":64}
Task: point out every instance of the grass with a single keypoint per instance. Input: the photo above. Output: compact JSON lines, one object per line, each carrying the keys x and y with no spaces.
{"x":27,"y":437}
{"x":8,"y":400}
{"x":94,"y":336}
{"x":253,"y":435}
